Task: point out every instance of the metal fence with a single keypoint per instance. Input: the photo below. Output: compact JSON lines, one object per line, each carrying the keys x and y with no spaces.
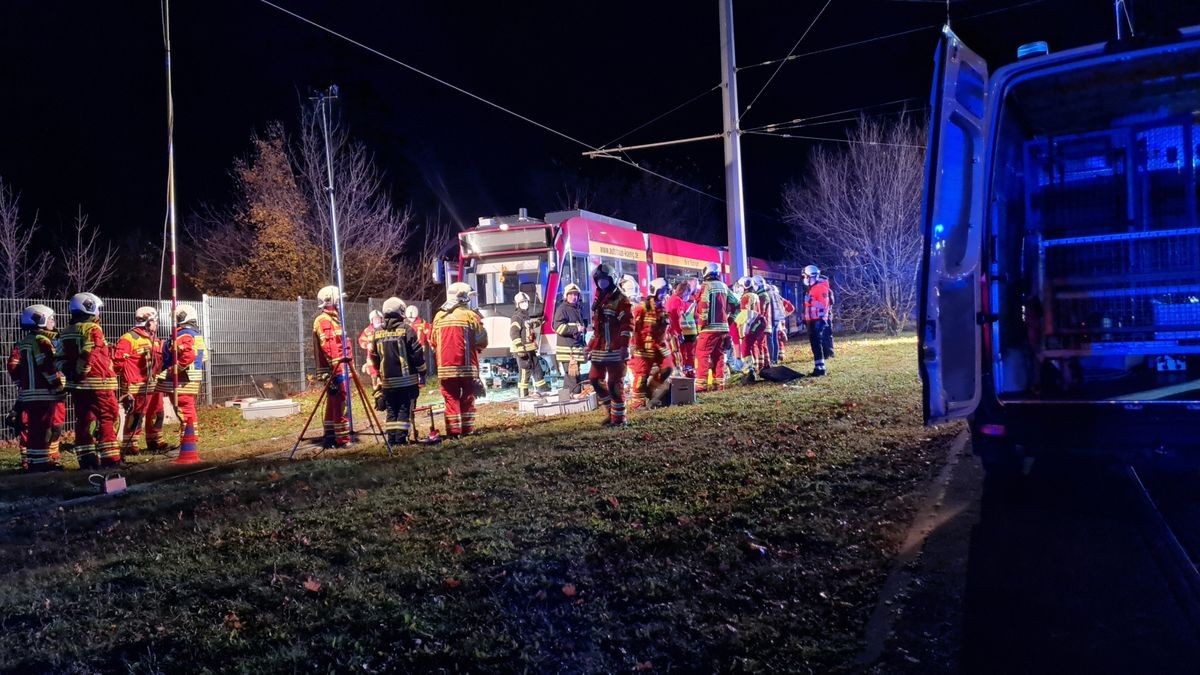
{"x":256,"y":347}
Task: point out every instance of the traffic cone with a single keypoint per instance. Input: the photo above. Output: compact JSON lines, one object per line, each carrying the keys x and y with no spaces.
{"x":187,"y":447}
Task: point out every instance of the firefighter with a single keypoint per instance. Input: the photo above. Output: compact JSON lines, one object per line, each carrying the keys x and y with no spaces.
{"x":40,"y":402}
{"x":714,"y":307}
{"x":570,"y":326}
{"x":783,"y":309}
{"x":681,"y":316}
{"x":612,"y":327}
{"x":457,"y":339}
{"x":188,"y":369}
{"x":88,"y":367}
{"x":654,"y":347}
{"x":737,"y":319}
{"x":331,"y":357}
{"x":397,"y":356}
{"x":524,"y":332}
{"x":766,"y":307}
{"x":752,"y":324}
{"x":420,"y":326}
{"x":138,"y":359}
{"x":818,"y":311}
{"x":365,"y":342}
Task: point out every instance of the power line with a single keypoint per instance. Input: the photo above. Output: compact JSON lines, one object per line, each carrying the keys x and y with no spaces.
{"x":691,"y":100}
{"x":834,"y":140}
{"x":790,"y":52}
{"x":825,"y":50}
{"x":803,"y":121}
{"x":479,"y":98}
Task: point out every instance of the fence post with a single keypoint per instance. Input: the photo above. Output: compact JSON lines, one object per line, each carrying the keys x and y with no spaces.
{"x":303,"y":384}
{"x":208,"y":332}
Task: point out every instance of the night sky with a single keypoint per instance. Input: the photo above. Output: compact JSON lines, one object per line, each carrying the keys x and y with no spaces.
{"x":84,"y":111}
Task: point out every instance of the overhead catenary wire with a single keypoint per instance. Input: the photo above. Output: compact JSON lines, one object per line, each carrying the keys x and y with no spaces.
{"x":877,"y":38}
{"x":479,"y":98}
{"x":686,"y":103}
{"x":834,"y":140}
{"x":809,"y":118}
{"x":790,"y":52}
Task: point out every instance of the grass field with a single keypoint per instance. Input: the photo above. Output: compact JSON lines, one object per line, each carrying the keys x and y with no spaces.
{"x":751,"y":531}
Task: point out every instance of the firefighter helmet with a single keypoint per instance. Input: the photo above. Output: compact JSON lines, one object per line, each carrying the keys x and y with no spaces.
{"x":37,"y":316}
{"x":412,"y":312}
{"x":458,"y":292}
{"x":185,"y":314}
{"x":812,"y":271}
{"x":604,"y":270}
{"x":572,"y":288}
{"x":745,"y":282}
{"x":393,"y":307}
{"x":328,"y":296}
{"x":711,"y":271}
{"x":521,"y":297}
{"x":86,"y":304}
{"x":759,"y":282}
{"x":659,"y":286}
{"x":144,"y":315}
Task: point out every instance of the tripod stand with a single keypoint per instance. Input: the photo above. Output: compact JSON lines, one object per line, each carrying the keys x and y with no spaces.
{"x":376,"y":429}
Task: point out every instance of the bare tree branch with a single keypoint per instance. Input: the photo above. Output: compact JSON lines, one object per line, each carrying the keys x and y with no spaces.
{"x":88,"y":265}
{"x":856,"y":214}
{"x":24,"y":271}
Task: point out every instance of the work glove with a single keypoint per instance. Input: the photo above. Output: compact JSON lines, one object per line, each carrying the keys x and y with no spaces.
{"x":127,"y":403}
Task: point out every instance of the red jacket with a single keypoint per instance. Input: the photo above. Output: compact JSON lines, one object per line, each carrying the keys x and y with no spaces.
{"x":87,"y":363}
{"x":612,"y":327}
{"x":818,"y":300}
{"x":193,"y":361}
{"x":137,"y":359}
{"x":457,"y":338}
{"x":422,"y":329}
{"x":651,"y":333}
{"x":327,"y":341}
{"x":366,"y":340}
{"x":31,"y":366}
{"x":714,"y":307}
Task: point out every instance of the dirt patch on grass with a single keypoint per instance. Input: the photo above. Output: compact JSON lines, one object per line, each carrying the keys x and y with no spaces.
{"x":749,"y":532}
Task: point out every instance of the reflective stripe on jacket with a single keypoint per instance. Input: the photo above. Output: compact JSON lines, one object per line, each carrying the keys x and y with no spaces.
{"x":193,"y":361}
{"x":397,"y":355}
{"x":86,"y":360}
{"x":458,"y":337}
{"x":817,"y":301}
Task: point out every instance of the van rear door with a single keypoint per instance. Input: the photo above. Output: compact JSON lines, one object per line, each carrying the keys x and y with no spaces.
{"x":952,"y":211}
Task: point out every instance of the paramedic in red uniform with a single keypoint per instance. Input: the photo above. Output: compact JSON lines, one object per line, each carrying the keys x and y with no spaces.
{"x":457,"y":339}
{"x":681,"y":315}
{"x":138,"y":360}
{"x":714,"y":308}
{"x":188,"y":370}
{"x":612,"y":319}
{"x":653,"y":347}
{"x":327,"y":348}
{"x":40,"y":391}
{"x":88,"y":367}
{"x":818,"y":309}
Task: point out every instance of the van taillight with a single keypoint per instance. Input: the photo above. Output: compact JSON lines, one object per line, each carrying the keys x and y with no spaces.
{"x":993,"y":430}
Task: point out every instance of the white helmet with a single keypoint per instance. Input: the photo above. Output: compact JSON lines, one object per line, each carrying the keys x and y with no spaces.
{"x":328,"y":296}
{"x":812,"y":271}
{"x":745,"y":282}
{"x":142,"y":316}
{"x":86,"y":303}
{"x":185,"y":314}
{"x":412,"y":312}
{"x":659,"y":287}
{"x":37,"y":316}
{"x":393,"y":307}
{"x":521,"y":297}
{"x":759,"y":282}
{"x":710,"y":271}
{"x":458,"y":292}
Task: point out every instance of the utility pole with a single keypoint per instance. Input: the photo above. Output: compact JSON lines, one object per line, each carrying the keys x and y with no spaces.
{"x":323,"y":99}
{"x":735,"y":212}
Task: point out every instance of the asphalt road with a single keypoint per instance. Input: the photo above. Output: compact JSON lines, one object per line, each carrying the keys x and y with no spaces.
{"x":1057,"y":577}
